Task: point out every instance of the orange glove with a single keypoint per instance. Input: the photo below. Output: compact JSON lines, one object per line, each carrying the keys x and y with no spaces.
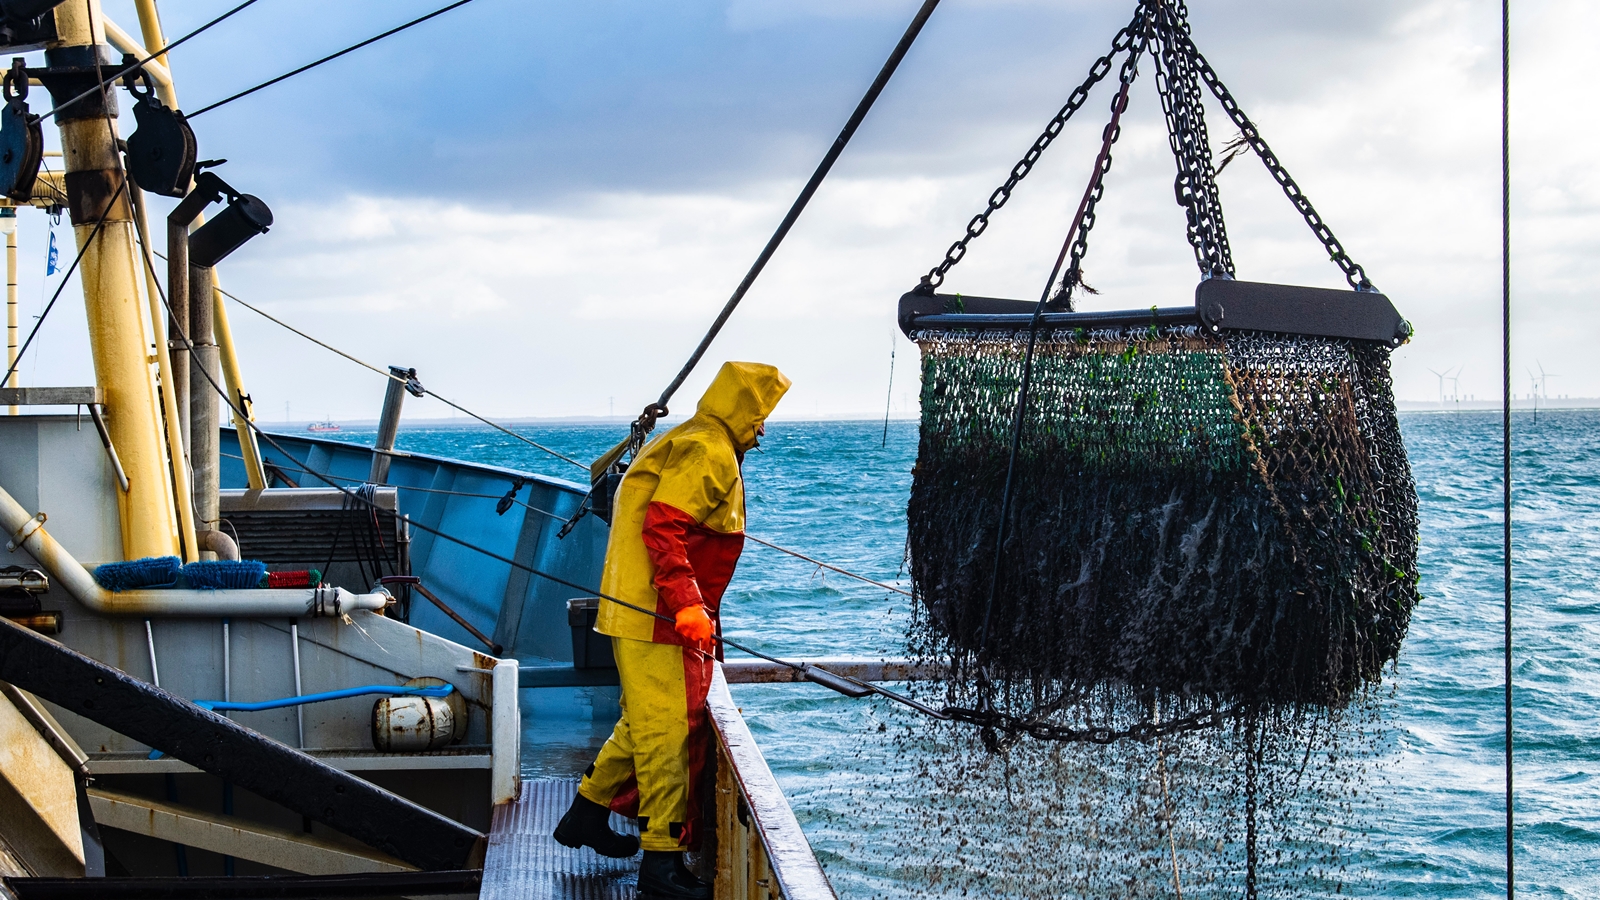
{"x":693,"y":623}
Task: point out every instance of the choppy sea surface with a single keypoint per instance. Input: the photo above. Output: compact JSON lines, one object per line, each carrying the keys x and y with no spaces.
{"x":837,"y":491}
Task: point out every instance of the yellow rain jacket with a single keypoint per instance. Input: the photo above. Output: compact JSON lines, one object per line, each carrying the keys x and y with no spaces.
{"x":677,"y":529}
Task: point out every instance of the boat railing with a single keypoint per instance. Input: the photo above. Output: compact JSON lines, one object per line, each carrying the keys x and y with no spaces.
{"x":761,"y":853}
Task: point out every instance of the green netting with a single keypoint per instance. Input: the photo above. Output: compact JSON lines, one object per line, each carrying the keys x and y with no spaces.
{"x":1221,"y":517}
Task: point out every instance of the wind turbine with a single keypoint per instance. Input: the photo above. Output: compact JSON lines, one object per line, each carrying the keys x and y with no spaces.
{"x":1541,"y":388}
{"x":1544,"y":380}
{"x":1453,"y":378}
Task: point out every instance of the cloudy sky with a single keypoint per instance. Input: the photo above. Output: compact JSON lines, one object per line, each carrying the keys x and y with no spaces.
{"x":541,"y":205}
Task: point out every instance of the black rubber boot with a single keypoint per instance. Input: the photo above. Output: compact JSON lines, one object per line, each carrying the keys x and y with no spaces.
{"x":663,"y":876}
{"x":588,"y":824}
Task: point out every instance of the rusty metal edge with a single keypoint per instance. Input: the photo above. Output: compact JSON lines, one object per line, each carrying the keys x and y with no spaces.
{"x":794,"y":865}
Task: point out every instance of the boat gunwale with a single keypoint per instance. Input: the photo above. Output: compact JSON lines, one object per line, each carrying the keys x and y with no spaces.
{"x":792,"y":861}
{"x":551,"y":480}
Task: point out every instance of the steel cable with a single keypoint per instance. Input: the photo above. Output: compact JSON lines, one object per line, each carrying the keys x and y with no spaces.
{"x":659,"y":407}
{"x":104,"y":82}
{"x":302,"y":468}
{"x":392,"y":377}
{"x":1505,"y":422}
{"x":329,"y":58}
{"x":64,"y":279}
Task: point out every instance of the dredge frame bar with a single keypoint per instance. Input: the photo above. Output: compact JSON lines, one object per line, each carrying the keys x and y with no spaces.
{"x":1219,"y":304}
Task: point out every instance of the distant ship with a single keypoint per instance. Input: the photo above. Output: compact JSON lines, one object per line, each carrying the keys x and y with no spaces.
{"x":323,"y":426}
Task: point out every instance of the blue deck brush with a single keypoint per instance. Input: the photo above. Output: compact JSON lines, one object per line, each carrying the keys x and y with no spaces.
{"x":150,"y":572}
{"x":225,"y":574}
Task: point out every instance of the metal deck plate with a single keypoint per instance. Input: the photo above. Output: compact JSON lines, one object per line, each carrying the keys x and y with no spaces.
{"x":524,"y":862}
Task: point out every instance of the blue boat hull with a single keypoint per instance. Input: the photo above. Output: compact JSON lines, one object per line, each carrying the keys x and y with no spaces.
{"x":522,"y":611}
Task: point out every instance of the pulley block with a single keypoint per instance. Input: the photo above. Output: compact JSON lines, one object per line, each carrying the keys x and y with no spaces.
{"x":21,"y":137}
{"x":162,"y":152}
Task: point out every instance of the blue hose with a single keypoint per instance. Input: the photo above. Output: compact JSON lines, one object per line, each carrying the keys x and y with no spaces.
{"x":440,"y":690}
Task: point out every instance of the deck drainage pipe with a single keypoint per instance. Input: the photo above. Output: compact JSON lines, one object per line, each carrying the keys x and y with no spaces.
{"x":27,"y":532}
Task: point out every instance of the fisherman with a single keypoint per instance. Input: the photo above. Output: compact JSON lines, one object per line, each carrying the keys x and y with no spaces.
{"x":677,"y":530}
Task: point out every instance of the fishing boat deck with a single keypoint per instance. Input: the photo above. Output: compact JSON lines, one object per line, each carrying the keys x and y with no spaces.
{"x":524,"y":862}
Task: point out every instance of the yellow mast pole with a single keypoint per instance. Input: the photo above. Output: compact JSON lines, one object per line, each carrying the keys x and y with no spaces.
{"x":155,"y":41}
{"x":10,"y":227}
{"x":117,"y":326}
{"x":169,"y":400}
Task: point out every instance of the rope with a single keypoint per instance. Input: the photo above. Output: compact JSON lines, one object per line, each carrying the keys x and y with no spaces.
{"x":301,"y":467}
{"x":392,"y":377}
{"x":64,"y":279}
{"x":817,"y":562}
{"x":140,"y":64}
{"x":329,"y":58}
{"x":1505,"y":417}
{"x":798,"y":207}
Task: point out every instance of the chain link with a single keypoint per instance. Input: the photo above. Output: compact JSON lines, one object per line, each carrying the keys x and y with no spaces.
{"x":1113,"y":130}
{"x":1353,"y":273}
{"x":1180,"y":69}
{"x":1195,"y":185}
{"x":1101,"y":68}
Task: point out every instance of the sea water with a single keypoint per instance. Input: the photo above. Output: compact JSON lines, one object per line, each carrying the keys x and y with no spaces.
{"x":1434,"y":804}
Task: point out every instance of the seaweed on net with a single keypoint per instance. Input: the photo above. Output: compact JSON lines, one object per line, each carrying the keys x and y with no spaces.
{"x":1224,"y":518}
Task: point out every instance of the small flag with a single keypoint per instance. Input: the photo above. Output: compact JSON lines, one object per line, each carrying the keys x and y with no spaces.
{"x":52,"y":263}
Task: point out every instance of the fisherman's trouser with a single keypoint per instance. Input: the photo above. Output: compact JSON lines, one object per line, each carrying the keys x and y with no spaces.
{"x":652,"y":765}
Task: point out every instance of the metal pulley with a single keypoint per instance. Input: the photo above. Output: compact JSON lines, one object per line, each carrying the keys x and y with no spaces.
{"x":21,"y":137}
{"x":162,"y":152}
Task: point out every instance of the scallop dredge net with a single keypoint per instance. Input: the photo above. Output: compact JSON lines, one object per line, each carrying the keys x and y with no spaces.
{"x":1226,"y":522}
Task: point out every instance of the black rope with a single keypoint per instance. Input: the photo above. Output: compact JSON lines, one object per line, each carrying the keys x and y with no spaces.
{"x":1505,"y":417}
{"x":906,"y":39}
{"x":64,"y":279}
{"x":140,"y":64}
{"x":329,"y":58}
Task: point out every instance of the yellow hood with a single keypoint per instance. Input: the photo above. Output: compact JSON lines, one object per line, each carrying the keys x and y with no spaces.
{"x":741,"y":397}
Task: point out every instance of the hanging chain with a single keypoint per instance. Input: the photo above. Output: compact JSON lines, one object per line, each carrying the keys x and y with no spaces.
{"x":1353,"y":272}
{"x":1097,"y":72}
{"x":1113,"y":130}
{"x":1195,"y":185}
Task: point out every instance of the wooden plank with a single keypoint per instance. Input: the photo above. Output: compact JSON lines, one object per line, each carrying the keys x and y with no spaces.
{"x":788,"y":857}
{"x":292,"y":850}
{"x":50,"y":396}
